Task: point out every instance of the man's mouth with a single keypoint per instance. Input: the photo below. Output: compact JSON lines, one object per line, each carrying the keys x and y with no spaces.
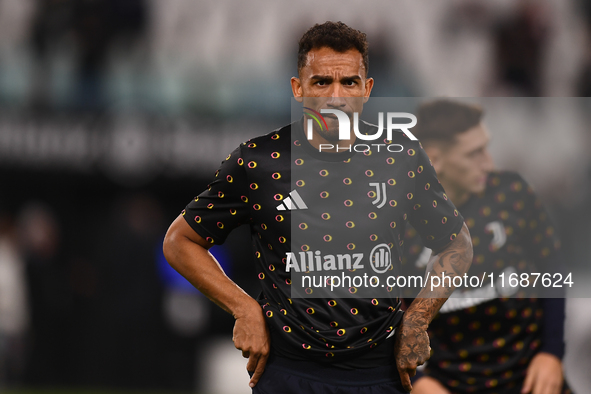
{"x":329,"y":116}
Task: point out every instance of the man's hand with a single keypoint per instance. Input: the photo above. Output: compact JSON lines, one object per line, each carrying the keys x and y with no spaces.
{"x":251,"y":335}
{"x":544,"y":375}
{"x":428,"y":385}
{"x":411,"y":349}
{"x":187,"y":252}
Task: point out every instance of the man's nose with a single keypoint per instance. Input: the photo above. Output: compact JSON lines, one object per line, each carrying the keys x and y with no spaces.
{"x":488,"y":164}
{"x":336,"y":99}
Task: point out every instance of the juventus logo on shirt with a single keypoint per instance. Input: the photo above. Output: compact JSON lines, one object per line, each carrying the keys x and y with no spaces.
{"x":292,"y":202}
{"x":380,"y":193}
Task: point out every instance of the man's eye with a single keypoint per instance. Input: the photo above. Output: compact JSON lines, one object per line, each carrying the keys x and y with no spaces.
{"x":321,"y":83}
{"x":349,"y":83}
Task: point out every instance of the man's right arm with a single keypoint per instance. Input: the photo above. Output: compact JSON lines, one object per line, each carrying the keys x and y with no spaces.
{"x":412,"y":342}
{"x":187,"y":252}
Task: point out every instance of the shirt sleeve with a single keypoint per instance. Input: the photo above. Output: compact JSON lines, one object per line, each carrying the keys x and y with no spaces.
{"x":553,"y":329}
{"x":433,"y":215}
{"x":223,"y":206}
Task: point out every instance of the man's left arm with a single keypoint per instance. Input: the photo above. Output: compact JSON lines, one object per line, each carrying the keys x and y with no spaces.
{"x":544,"y":373}
{"x":412,"y":342}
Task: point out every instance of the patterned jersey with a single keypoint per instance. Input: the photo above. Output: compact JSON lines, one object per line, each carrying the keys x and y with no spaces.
{"x":312,"y":211}
{"x":482,"y":342}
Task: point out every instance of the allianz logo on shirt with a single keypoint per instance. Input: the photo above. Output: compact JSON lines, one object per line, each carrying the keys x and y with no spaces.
{"x":313,"y":261}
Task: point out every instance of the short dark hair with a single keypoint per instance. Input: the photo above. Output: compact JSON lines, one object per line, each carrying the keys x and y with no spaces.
{"x":441,"y":120}
{"x":334,"y":35}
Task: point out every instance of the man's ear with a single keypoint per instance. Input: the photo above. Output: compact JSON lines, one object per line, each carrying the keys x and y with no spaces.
{"x":437,"y":157}
{"x":368,"y":87}
{"x":296,"y":88}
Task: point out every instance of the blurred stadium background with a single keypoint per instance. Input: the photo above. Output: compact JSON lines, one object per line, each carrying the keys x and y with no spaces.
{"x":114,"y":113}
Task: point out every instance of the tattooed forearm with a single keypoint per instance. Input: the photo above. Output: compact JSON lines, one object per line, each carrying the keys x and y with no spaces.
{"x":454,"y":260}
{"x":412,"y":342}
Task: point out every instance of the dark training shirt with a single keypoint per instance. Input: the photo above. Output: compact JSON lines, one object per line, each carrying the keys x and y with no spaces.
{"x":302,"y":203}
{"x":485,"y":345}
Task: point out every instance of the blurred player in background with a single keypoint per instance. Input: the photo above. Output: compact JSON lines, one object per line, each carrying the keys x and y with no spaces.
{"x":318,"y":345}
{"x":489,"y":344}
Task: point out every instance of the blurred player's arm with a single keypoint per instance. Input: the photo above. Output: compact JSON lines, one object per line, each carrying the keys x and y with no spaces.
{"x":428,"y":385}
{"x":412,"y":342}
{"x":545,"y":371}
{"x":187,"y":252}
{"x":544,"y":375}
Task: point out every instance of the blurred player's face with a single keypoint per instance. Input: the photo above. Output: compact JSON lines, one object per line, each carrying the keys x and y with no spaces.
{"x":332,"y":80}
{"x":462,"y":168}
